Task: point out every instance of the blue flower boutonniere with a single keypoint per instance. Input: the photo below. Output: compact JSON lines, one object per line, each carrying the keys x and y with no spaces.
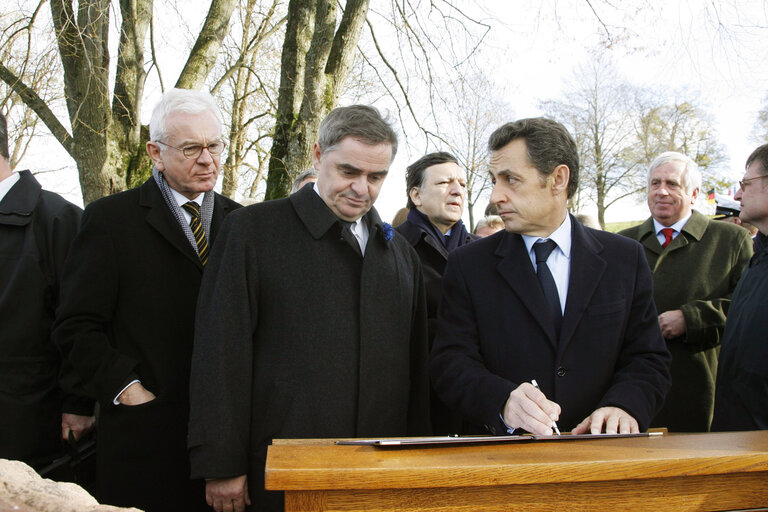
{"x":388,"y":231}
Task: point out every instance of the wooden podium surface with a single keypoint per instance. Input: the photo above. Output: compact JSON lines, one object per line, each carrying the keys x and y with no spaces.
{"x":718,"y":471}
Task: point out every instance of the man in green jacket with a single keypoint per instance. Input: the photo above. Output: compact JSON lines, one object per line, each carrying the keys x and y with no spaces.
{"x":696,"y":264}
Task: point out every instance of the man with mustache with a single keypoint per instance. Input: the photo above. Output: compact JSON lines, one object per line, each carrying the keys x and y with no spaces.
{"x":696,"y":264}
{"x":311,"y":320}
{"x":128,"y":300}
{"x":436,"y":194}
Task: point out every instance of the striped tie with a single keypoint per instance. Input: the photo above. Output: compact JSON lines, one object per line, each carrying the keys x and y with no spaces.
{"x":197,"y":229}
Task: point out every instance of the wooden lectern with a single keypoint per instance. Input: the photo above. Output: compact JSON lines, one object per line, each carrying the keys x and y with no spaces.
{"x":718,"y":471}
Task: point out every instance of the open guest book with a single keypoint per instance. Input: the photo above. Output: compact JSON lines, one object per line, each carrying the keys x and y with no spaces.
{"x":454,"y":440}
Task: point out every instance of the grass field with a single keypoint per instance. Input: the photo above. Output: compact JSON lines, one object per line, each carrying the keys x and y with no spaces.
{"x":615,"y":227}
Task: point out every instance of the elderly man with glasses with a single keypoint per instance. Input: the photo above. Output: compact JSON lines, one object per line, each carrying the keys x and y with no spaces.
{"x":128,"y":306}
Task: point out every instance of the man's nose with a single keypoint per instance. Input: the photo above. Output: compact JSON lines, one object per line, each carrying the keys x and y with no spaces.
{"x":359,"y":185}
{"x":496,"y":195}
{"x":737,"y":195}
{"x":205,"y":157}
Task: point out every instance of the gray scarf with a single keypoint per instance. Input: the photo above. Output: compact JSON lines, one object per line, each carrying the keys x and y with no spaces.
{"x":206,"y":212}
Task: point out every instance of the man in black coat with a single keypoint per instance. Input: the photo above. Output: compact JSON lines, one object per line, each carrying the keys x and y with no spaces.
{"x":548,"y":300}
{"x":36,"y":230}
{"x":311,"y":320}
{"x":437,"y":192}
{"x":128,"y":307}
{"x":741,"y":391}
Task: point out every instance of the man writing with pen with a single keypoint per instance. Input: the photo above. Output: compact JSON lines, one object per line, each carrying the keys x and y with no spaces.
{"x":547,"y":300}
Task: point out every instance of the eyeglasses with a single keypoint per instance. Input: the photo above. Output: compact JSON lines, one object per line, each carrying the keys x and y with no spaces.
{"x":195,"y":150}
{"x":742,"y":182}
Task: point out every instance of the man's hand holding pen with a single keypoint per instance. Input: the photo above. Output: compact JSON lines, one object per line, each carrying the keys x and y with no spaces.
{"x":529,"y":409}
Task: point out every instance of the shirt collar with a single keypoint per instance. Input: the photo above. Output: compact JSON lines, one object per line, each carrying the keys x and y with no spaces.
{"x":181,"y":199}
{"x":561,"y":236}
{"x":677,"y":226}
{"x":7,"y":184}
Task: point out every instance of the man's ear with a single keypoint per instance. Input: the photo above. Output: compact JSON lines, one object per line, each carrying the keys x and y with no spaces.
{"x":317,"y":154}
{"x":415,"y":196}
{"x":694,"y":195}
{"x":560,"y":177}
{"x":155,"y":153}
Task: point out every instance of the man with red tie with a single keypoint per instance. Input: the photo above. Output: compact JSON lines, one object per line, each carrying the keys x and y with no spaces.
{"x":696,"y":264}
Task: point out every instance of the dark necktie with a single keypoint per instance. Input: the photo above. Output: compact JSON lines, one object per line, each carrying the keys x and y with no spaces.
{"x":197,"y":230}
{"x":543,"y":250}
{"x":668,"y":236}
{"x":349,"y":236}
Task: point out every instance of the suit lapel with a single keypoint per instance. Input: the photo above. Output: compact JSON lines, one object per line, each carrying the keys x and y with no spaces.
{"x":587,"y":267}
{"x":160,"y":218}
{"x":517,"y":270}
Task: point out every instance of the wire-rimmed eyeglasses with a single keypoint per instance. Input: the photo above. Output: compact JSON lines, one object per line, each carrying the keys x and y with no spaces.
{"x":194,"y":150}
{"x":742,"y":182}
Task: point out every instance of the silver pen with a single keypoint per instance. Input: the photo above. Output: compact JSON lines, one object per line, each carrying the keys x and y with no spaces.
{"x":554,"y":424}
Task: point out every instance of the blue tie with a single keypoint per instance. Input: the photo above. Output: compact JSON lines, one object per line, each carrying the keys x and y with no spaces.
{"x":543,"y":249}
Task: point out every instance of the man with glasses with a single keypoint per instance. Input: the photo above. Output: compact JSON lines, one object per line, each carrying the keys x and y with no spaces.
{"x":696,"y":263}
{"x":741,"y":397}
{"x":128,"y":306}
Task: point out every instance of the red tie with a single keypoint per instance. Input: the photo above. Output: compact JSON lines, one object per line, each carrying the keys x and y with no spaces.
{"x":667,"y":232}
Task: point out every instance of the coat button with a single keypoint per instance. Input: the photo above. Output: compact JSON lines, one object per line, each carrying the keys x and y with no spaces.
{"x":561,"y":371}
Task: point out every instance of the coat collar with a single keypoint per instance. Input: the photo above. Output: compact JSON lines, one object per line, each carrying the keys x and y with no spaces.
{"x":318,"y":218}
{"x":160,"y":218}
{"x":414,"y":234}
{"x":694,"y":229}
{"x":587,"y":267}
{"x":18,"y":204}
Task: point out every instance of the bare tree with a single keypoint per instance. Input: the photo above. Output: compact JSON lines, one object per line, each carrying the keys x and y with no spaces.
{"x":105,"y":137}
{"x":760,"y":130}
{"x":466,"y":119}
{"x":28,"y":54}
{"x":316,"y":60}
{"x":251,"y":90}
{"x":596,"y":113}
{"x":678,"y":125}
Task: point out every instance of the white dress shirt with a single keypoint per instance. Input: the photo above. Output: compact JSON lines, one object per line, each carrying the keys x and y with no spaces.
{"x":677,"y":226}
{"x":7,"y":183}
{"x":358,"y":227}
{"x":559,"y":262}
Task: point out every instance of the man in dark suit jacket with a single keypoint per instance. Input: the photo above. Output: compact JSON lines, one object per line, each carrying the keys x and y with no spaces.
{"x":37,"y":408}
{"x":696,"y":264}
{"x":741,"y":392}
{"x":581,"y":322}
{"x":128,"y":307}
{"x":311,"y":320}
{"x":436,"y":192}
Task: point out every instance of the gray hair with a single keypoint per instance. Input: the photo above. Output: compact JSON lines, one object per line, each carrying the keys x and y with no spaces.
{"x":360,"y":121}
{"x":308,"y":173}
{"x":187,"y":101}
{"x":691,"y":177}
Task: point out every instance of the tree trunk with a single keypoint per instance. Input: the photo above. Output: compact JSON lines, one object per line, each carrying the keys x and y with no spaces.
{"x":314,"y":68}
{"x":126,"y":136}
{"x":202,"y":58}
